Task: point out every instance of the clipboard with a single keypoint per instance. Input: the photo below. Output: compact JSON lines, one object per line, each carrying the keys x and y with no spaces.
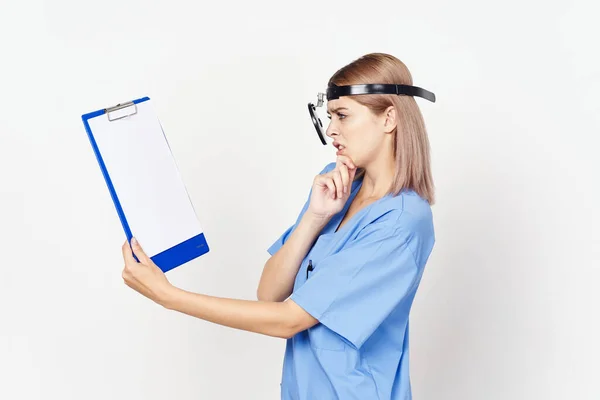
{"x":144,"y":182}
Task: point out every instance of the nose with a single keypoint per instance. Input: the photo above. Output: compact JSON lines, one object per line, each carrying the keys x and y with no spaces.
{"x":331,"y":130}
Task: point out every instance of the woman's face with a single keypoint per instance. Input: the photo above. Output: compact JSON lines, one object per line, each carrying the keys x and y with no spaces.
{"x":356,"y":132}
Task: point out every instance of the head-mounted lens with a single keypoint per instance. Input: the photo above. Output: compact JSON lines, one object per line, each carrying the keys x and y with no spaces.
{"x":312,"y":109}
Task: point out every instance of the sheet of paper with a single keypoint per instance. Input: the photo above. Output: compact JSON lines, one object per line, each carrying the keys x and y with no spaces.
{"x":146,"y":179}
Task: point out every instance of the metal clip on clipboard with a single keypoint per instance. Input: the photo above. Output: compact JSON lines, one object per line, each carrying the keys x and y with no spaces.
{"x":119,"y":107}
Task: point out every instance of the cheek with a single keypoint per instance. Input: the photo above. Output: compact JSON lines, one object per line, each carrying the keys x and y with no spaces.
{"x":364,"y":142}
{"x":354,"y":131}
{"x":361,"y":136}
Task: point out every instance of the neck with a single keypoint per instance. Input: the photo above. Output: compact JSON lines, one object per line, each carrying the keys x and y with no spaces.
{"x":378,"y":177}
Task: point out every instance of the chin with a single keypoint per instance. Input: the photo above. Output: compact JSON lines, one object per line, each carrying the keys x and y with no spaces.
{"x":354,"y":159}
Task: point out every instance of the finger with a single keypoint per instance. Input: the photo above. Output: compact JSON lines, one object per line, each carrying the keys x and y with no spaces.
{"x":139,"y":252}
{"x":325,"y":182}
{"x":127,"y":254}
{"x":351,"y":174}
{"x":352,"y":168}
{"x":346,"y":161}
{"x":343,"y":171}
{"x":331,"y":186}
{"x":328,"y":182}
{"x":339,"y":185}
{"x":126,"y":273}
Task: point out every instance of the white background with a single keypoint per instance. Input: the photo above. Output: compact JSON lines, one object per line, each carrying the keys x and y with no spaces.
{"x":508,"y":307}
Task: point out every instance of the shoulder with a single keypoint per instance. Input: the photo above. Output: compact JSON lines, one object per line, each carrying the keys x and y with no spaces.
{"x":402,"y":221}
{"x":416,"y":211}
{"x":406,"y":212}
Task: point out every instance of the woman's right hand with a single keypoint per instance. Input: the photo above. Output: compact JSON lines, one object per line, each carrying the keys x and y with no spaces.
{"x":331,"y":190}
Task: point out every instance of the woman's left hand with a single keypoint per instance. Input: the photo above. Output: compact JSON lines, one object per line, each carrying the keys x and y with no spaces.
{"x":144,"y":277}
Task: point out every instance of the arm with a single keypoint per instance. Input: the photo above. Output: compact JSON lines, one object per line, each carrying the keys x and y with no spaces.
{"x":277,"y":279}
{"x":327,"y":198}
{"x":278,"y":319}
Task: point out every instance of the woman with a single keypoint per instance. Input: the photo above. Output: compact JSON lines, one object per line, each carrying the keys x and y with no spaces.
{"x":340,"y":282}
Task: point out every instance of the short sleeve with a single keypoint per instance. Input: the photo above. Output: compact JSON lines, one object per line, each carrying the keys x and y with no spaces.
{"x":353,"y":291}
{"x":283,"y":237}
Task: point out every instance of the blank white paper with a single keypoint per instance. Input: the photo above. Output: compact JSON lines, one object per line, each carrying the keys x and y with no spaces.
{"x":146,"y":179}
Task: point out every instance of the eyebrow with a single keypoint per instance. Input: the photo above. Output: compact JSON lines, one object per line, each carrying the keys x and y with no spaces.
{"x":336,"y":110}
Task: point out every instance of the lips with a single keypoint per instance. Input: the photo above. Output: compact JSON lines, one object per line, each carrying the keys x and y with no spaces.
{"x":340,"y":148}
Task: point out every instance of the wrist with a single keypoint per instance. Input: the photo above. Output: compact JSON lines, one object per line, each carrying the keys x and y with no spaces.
{"x":168,"y":297}
{"x":315,"y":220}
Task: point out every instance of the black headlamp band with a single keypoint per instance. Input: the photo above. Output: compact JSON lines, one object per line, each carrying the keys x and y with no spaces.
{"x":334,"y":92}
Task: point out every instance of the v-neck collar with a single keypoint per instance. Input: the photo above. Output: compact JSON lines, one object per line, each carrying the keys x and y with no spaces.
{"x":342,"y":214}
{"x":356,"y":185}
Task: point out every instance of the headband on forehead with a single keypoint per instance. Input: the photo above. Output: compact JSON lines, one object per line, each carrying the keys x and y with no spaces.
{"x":334,"y":92}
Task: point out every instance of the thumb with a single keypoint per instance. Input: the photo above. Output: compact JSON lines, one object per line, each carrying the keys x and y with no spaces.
{"x":138,"y":251}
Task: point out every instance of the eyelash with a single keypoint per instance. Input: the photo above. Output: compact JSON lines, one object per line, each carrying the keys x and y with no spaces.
{"x":339,"y":115}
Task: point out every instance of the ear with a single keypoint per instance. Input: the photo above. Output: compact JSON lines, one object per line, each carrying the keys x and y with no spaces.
{"x":390,"y":119}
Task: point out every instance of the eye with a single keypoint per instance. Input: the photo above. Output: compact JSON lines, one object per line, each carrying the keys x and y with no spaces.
{"x":340,"y":116}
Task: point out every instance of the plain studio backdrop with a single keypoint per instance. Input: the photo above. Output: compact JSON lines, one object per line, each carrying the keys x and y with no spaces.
{"x":508,"y":305}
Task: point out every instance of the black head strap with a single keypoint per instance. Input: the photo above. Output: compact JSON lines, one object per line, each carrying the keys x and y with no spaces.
{"x":335,"y":92}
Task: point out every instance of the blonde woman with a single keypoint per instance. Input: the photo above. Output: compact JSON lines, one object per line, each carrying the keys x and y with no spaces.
{"x":341,"y":280}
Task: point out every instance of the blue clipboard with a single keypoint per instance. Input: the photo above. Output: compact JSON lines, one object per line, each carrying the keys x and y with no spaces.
{"x":148,"y":193}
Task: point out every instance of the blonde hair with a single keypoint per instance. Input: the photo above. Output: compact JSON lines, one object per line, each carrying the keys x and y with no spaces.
{"x":411,"y":144}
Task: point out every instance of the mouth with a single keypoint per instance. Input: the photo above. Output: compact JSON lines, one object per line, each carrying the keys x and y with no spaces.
{"x":339,"y":146}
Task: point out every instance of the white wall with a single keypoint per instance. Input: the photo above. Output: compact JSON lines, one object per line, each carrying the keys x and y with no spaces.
{"x":507,"y":308}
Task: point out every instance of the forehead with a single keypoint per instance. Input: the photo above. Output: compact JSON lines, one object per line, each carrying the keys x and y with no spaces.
{"x":341,"y":103}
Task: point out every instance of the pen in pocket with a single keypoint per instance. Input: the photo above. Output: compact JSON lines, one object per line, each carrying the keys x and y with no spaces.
{"x":309,"y":268}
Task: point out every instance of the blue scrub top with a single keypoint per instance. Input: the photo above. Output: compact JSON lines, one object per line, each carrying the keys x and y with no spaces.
{"x":361,"y":289}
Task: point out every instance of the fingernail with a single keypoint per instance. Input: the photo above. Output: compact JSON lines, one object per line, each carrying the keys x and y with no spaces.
{"x":345,"y":189}
{"x":134,"y":241}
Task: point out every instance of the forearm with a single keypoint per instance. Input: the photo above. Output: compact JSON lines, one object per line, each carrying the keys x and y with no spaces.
{"x":279,"y":273}
{"x":268,"y":318}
